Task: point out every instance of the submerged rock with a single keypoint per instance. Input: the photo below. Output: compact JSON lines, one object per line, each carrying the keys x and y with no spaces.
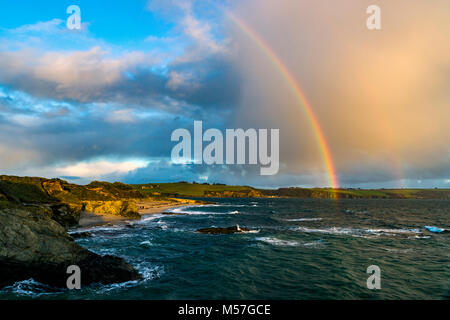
{"x":168,"y":213}
{"x":81,"y":235}
{"x":32,"y":245}
{"x":229,"y":230}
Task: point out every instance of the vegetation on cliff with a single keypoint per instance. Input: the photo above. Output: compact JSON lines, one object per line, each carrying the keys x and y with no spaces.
{"x":66,"y":200}
{"x":184,"y":189}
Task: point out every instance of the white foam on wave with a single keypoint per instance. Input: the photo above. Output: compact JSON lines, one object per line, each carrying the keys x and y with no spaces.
{"x":332,"y":230}
{"x":394,"y":231}
{"x":251,"y":231}
{"x":279,"y":242}
{"x":151,"y":217}
{"x":394,"y":250}
{"x":183,"y":210}
{"x":290,"y":243}
{"x":104,"y":251}
{"x":97,"y":229}
{"x":161,"y":224}
{"x":148,"y":272}
{"x":420,"y":237}
{"x":31,"y":288}
{"x":360,"y":232}
{"x":145,"y":243}
{"x":192,"y":212}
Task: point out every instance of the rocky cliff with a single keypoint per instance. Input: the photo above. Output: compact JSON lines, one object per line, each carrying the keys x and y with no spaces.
{"x":33,"y":245}
{"x":66,"y":200}
{"x":34,"y":216}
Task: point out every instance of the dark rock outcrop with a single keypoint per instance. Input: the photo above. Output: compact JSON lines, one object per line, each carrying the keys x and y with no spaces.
{"x":168,"y":213}
{"x":65,"y":215}
{"x":80,"y":235}
{"x":33,"y":245}
{"x":229,"y":230}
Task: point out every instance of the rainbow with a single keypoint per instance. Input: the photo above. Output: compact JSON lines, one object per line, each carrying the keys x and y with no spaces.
{"x":318,"y":132}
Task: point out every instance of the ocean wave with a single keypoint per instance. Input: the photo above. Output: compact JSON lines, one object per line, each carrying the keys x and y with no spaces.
{"x":251,"y":231}
{"x":148,"y":271}
{"x":279,"y":242}
{"x":398,"y":250}
{"x":31,"y":288}
{"x":183,"y":211}
{"x":145,"y":244}
{"x":105,"y":251}
{"x":395,"y":231}
{"x":420,"y":237}
{"x":102,"y":228}
{"x":151,"y":217}
{"x":162,"y":225}
{"x":289,"y":243}
{"x":360,"y":232}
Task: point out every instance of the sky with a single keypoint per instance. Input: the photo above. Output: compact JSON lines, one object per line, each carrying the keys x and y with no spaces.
{"x":101,"y":103}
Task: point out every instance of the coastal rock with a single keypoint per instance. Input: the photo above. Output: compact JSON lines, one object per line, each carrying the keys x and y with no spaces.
{"x":229,"y":230}
{"x":65,"y":215}
{"x":32,"y":245}
{"x":81,"y":235}
{"x":127,"y":209}
{"x":169,"y":213}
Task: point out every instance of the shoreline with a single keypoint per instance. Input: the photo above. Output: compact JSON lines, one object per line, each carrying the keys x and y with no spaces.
{"x":89,"y":219}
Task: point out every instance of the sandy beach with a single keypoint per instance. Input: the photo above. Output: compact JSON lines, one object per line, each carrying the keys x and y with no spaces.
{"x":89,"y":219}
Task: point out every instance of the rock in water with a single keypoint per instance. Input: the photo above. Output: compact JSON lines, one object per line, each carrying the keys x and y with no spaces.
{"x":229,"y":230}
{"x":35,"y":246}
{"x":81,"y":235}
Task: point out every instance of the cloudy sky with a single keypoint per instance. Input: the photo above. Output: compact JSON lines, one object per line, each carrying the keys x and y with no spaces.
{"x":102,"y":102}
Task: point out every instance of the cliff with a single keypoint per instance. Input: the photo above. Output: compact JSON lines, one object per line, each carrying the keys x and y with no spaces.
{"x":34,"y":216}
{"x":66,"y":201}
{"x":33,"y":245}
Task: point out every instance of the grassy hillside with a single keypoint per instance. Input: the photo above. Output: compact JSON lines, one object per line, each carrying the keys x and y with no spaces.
{"x":184,"y":189}
{"x":359,"y":193}
{"x":27,"y":190}
{"x":64,"y":201}
{"x":41,"y":190}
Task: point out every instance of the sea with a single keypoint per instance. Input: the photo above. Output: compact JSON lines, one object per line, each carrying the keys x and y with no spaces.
{"x":296,"y":249}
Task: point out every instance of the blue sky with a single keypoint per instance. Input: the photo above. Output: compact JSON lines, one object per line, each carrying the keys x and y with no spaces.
{"x":101,"y":102}
{"x":117,"y":22}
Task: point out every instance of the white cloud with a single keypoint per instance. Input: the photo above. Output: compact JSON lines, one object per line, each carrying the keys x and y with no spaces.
{"x":201,"y":32}
{"x":100,"y":168}
{"x":121,"y":116}
{"x":51,"y":26}
{"x":77,"y":75}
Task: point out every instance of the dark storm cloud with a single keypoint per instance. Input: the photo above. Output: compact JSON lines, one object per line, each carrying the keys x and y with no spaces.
{"x":92,"y":76}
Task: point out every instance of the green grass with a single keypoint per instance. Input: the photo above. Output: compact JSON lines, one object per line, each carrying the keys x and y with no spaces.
{"x":30,"y":190}
{"x":392,"y":193}
{"x":187,"y":189}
